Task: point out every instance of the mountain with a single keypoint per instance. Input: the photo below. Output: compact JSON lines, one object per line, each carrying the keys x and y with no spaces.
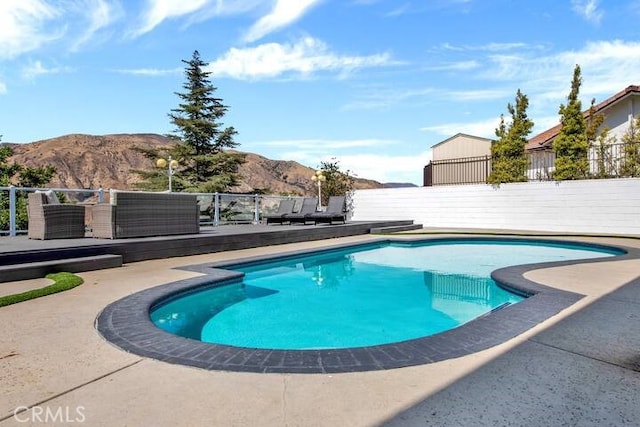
{"x":107,"y":161}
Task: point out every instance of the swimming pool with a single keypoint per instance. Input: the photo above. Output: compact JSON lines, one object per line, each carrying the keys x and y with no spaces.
{"x":126,"y":323}
{"x":359,"y":296}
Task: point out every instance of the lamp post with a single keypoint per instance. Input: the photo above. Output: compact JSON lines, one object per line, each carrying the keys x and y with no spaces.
{"x":319,"y":178}
{"x":171,"y":165}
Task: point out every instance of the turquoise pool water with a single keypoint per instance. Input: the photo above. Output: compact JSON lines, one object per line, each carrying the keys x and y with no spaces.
{"x":361,"y":296}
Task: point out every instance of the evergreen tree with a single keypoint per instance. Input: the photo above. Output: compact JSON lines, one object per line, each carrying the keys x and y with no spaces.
{"x":631,"y":160}
{"x":572,"y":143}
{"x":508,"y":159}
{"x":201,"y":139}
{"x":606,"y":165}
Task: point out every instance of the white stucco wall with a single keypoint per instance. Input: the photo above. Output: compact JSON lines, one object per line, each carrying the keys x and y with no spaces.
{"x":588,"y":206}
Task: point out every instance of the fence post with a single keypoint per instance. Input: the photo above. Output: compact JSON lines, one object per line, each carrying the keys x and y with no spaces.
{"x":100,"y":195}
{"x":256,"y":211}
{"x":12,"y":211}
{"x":216,"y":209}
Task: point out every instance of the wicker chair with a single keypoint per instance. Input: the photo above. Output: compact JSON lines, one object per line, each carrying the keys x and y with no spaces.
{"x":141,"y":214}
{"x":54,"y":221}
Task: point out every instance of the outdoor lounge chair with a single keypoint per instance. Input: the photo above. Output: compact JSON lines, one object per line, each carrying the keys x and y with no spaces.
{"x":309,"y":205}
{"x":335,"y":211}
{"x":285,"y":207}
{"x":48,"y":219}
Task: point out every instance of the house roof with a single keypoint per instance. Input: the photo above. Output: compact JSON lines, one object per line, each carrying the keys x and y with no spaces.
{"x":544,"y":139}
{"x":457,"y":135}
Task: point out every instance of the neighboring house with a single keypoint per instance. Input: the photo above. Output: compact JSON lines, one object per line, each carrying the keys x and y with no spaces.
{"x":460,"y":159}
{"x":619,"y":112}
{"x":464,"y":159}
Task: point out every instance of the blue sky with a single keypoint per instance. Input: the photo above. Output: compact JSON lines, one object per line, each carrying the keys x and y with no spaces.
{"x":371,"y":83}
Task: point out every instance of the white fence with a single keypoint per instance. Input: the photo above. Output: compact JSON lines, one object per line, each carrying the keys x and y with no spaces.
{"x":608,"y":206}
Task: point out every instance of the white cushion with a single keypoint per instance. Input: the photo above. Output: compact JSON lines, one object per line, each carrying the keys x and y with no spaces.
{"x":52,"y":198}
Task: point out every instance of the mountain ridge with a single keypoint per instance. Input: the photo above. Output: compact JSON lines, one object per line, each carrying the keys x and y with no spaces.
{"x":107,"y":161}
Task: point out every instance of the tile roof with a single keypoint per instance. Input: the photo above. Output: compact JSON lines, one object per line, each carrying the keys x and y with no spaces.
{"x":544,"y":139}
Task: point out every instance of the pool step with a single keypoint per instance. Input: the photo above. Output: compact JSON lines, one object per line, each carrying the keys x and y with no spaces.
{"x":38,"y":269}
{"x":396,"y":228}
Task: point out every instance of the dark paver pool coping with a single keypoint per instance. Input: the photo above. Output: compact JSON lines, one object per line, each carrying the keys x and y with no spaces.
{"x":126,"y":323}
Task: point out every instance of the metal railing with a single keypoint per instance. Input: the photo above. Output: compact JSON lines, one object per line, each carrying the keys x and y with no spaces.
{"x":605,"y":161}
{"x":215,"y":208}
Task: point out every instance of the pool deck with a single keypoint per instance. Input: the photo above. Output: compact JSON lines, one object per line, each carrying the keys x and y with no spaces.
{"x":579,"y":367}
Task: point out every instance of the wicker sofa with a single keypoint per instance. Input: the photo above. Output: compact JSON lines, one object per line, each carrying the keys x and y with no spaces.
{"x":49,"y":219}
{"x":141,"y":214}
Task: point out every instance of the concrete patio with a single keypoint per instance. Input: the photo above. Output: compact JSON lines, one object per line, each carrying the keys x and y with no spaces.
{"x":580,"y":367}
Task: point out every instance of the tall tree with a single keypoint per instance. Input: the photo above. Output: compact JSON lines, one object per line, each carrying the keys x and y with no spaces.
{"x":508,"y":159}
{"x":572,"y":143}
{"x":631,"y":160}
{"x":201,"y":138}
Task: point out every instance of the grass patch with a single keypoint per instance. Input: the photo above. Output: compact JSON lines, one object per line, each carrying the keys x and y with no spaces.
{"x":62,"y":282}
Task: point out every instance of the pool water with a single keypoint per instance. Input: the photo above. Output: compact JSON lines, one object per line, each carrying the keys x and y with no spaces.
{"x":360,"y":296}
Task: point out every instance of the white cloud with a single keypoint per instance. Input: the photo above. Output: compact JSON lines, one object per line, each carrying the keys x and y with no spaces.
{"x":478,"y":95}
{"x":304,"y":58}
{"x":387,"y":168}
{"x":379,"y":167}
{"x":3,"y":88}
{"x":607,"y":67}
{"x":489,"y":47}
{"x":284,"y":13}
{"x":157,"y":11}
{"x":327,"y":144}
{"x":37,"y":69}
{"x":23,"y":26}
{"x":28,"y":25}
{"x":588,"y":9}
{"x":379,"y":98}
{"x":99,"y":14}
{"x":484,"y":128}
{"x":455,"y":66}
{"x":153,"y":72}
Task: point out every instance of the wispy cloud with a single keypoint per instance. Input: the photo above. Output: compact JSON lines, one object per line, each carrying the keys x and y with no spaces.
{"x":152,"y":72}
{"x":99,"y":14}
{"x":485,"y":128}
{"x":3,"y":88}
{"x":28,"y":25}
{"x":23,"y":26}
{"x":589,"y":10}
{"x":380,"y":98}
{"x":488,"y":47}
{"x":327,"y":144}
{"x":36,"y":69}
{"x":302,"y":59}
{"x":455,"y":66}
{"x":157,"y":11}
{"x":284,"y":13}
{"x":384,"y":166}
{"x":607,"y":66}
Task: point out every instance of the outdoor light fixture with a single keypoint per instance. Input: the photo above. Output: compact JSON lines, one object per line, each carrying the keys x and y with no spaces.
{"x":319,"y":178}
{"x":171,"y":166}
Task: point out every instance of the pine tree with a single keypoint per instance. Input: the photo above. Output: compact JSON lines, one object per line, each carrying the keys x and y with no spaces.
{"x":508,"y":159}
{"x":201,"y":140}
{"x":572,"y":143}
